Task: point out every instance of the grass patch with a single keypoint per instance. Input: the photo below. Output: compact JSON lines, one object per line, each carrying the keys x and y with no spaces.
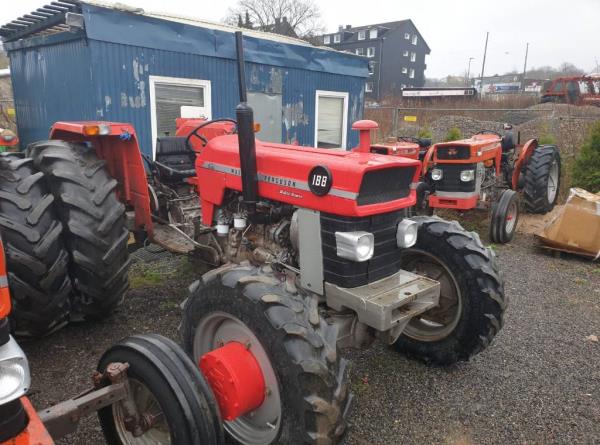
{"x":145,"y":278}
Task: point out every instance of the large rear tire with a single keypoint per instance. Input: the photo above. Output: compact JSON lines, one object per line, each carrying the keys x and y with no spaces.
{"x":542,"y":179}
{"x":166,"y":387}
{"x":37,"y":261}
{"x":296,"y":350}
{"x":472,"y":301}
{"x":94,"y":224}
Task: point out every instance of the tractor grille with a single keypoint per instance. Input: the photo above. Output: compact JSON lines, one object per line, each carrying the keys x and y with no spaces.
{"x":385,"y":185}
{"x":386,"y":258}
{"x":451,"y":182}
{"x":453,"y":152}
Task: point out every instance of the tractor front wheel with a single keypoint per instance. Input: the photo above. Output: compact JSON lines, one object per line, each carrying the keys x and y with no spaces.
{"x":305,"y":382}
{"x":542,"y":179}
{"x":505,"y":215}
{"x":472,"y":302}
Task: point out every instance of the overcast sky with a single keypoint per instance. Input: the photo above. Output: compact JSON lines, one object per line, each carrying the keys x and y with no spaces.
{"x":454,"y":29}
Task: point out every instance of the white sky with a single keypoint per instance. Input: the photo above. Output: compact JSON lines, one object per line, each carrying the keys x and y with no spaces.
{"x":454,"y":29}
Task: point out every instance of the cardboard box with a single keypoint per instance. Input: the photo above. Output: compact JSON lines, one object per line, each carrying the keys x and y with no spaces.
{"x":577,"y":228}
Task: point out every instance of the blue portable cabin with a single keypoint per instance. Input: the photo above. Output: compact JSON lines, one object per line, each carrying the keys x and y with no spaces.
{"x":75,"y":60}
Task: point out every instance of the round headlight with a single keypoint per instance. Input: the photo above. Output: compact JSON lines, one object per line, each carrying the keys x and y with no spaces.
{"x":14,"y":372}
{"x":406,"y":234}
{"x":467,"y":175}
{"x":364,"y":248}
{"x":355,"y":246}
{"x":436,"y":174}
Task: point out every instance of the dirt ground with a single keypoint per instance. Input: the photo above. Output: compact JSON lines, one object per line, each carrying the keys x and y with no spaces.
{"x":538,"y":383}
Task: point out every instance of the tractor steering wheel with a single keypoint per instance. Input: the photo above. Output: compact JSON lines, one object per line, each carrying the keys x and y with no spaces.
{"x":194,"y":132}
{"x":488,"y":132}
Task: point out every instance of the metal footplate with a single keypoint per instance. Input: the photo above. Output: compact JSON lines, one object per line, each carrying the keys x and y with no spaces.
{"x":387,"y":304}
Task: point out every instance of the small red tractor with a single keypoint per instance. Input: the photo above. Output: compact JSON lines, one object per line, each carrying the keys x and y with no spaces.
{"x":312,"y":251}
{"x":485,"y":172}
{"x":578,"y":90}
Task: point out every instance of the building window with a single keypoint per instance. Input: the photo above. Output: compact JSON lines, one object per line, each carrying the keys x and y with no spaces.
{"x":369,"y":87}
{"x":326,"y":40}
{"x":404,"y":70}
{"x":413,"y":56}
{"x":371,"y":67}
{"x":371,"y":51}
{"x":362,"y":35}
{"x":372,"y":34}
{"x":412,"y":73}
{"x":405,"y":53}
{"x":173,"y":97}
{"x":331,"y":119}
{"x":403,"y":85}
{"x":337,"y":38}
{"x":360,"y":51}
{"x":406,"y":36}
{"x":415,"y":39}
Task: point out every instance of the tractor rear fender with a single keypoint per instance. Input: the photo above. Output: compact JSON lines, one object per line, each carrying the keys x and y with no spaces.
{"x":524,"y":155}
{"x":427,"y":160}
{"x":117,"y":144}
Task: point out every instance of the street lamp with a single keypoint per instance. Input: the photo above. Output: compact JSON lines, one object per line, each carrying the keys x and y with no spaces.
{"x":469,"y":70}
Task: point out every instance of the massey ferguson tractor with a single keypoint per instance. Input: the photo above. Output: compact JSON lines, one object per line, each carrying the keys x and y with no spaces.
{"x":312,"y":251}
{"x":485,"y":172}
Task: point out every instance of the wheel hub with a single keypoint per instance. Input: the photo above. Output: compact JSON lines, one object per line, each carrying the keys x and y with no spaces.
{"x":235,"y":378}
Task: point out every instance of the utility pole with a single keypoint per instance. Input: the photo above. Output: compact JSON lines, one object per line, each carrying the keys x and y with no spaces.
{"x":469,"y":70}
{"x":487,"y":36}
{"x":525,"y":66}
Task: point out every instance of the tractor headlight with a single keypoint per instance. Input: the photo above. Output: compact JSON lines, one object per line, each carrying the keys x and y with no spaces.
{"x":437,"y":174}
{"x":355,"y":246}
{"x":406,"y":233}
{"x":14,"y":372}
{"x":467,"y":175}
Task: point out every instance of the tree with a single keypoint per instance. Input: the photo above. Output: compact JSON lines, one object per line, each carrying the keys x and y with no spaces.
{"x":586,"y":170}
{"x":303,"y":16}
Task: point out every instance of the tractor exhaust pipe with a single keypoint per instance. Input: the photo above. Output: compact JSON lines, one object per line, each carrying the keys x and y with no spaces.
{"x":246,"y":140}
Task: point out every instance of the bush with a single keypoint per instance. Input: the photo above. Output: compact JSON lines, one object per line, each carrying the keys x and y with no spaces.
{"x":546,"y":136}
{"x":586,"y":169}
{"x":454,"y":134}
{"x":424,"y":132}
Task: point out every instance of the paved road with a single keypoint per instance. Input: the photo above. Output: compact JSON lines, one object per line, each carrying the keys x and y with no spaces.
{"x":538,"y":383}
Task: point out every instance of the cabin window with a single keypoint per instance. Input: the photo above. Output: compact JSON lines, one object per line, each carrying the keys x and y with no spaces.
{"x":331,"y":119}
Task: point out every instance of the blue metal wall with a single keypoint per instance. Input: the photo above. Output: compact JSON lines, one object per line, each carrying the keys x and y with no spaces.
{"x":103,"y":74}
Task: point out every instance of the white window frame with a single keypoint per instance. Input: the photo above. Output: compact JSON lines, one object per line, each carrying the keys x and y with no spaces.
{"x":369,"y":87}
{"x":369,"y":52}
{"x":413,"y":56}
{"x":406,"y":36}
{"x":360,"y":51}
{"x":371,"y":68}
{"x":411,"y":74}
{"x":415,"y":39}
{"x":362,"y":35}
{"x":175,"y":81}
{"x":404,"y":70}
{"x":326,"y":40}
{"x":337,"y":38}
{"x":337,"y":94}
{"x":405,"y":53}
{"x":372,"y":33}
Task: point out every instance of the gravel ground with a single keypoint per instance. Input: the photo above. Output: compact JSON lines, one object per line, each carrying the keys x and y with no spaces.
{"x":538,"y":383}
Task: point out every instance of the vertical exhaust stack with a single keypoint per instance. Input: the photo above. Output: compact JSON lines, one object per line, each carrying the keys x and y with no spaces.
{"x":246,"y":140}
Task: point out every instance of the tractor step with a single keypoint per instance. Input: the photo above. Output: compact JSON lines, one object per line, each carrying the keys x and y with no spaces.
{"x":388,"y":303}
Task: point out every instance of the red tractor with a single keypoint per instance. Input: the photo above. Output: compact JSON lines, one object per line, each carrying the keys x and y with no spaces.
{"x":312,"y":251}
{"x":485,"y":172}
{"x":578,"y":90}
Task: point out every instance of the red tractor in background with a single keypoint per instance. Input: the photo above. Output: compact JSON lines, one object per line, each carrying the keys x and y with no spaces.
{"x":577,"y":90}
{"x":486,"y":171}
{"x":312,"y":251}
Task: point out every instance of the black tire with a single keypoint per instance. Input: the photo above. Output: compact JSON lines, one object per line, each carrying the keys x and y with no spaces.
{"x":475,"y":275}
{"x":36,"y":258}
{"x":505,"y":217}
{"x":185,"y":399}
{"x":537,"y":177}
{"x":94,"y":224}
{"x":300,"y":345}
{"x":421,"y":207}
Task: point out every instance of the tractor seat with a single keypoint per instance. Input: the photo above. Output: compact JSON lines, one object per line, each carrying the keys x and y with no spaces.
{"x":173,"y":153}
{"x":508,"y":142}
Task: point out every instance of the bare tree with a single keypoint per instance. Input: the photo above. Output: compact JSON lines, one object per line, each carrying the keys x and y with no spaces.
{"x":303,"y":16}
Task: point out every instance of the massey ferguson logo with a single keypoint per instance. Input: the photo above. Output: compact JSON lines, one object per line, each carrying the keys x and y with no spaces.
{"x":452,"y":151}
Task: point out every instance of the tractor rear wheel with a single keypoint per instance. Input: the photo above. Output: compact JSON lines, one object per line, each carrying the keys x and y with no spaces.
{"x":505,"y":216}
{"x":168,"y":392}
{"x":472,"y":302}
{"x":304,"y":376}
{"x":94,"y":224}
{"x":542,"y":179}
{"x":37,"y":261}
